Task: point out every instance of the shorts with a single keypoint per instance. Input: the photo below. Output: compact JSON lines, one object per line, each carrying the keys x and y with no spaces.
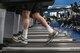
{"x":19,"y":7}
{"x":33,"y":7}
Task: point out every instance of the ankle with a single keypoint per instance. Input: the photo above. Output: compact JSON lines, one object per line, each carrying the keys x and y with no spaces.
{"x":50,"y":29}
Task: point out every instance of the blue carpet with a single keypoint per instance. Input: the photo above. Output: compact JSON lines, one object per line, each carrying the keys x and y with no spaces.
{"x":73,"y":34}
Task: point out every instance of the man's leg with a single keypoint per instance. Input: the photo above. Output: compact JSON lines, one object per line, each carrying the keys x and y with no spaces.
{"x":52,"y":32}
{"x":38,"y":17}
{"x":25,"y":23}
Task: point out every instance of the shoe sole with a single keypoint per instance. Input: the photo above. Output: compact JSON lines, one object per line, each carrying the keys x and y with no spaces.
{"x":50,"y":38}
{"x":24,"y":42}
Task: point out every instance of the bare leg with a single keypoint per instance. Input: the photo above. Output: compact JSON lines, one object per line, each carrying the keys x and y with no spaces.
{"x":25,"y":23}
{"x":38,"y":17}
{"x":52,"y":32}
{"x":25,"y":15}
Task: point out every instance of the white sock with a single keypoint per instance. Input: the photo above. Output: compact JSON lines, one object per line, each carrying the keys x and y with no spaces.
{"x":25,"y":33}
{"x":50,"y":29}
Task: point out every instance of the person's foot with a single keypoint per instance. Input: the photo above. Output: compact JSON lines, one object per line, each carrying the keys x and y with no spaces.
{"x":16,"y":38}
{"x":19,"y":39}
{"x":52,"y":36}
{"x":25,"y":41}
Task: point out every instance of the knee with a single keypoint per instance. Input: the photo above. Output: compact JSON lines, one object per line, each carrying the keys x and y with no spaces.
{"x":26,"y":14}
{"x":35,"y":15}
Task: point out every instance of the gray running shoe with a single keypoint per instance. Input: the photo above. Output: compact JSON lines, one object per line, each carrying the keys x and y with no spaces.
{"x":19,"y":39}
{"x":51,"y":37}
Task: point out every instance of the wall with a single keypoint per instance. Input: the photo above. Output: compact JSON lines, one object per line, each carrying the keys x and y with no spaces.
{"x":8,"y":30}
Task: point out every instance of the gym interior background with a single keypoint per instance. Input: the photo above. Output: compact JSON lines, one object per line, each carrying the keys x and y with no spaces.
{"x":62,"y":15}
